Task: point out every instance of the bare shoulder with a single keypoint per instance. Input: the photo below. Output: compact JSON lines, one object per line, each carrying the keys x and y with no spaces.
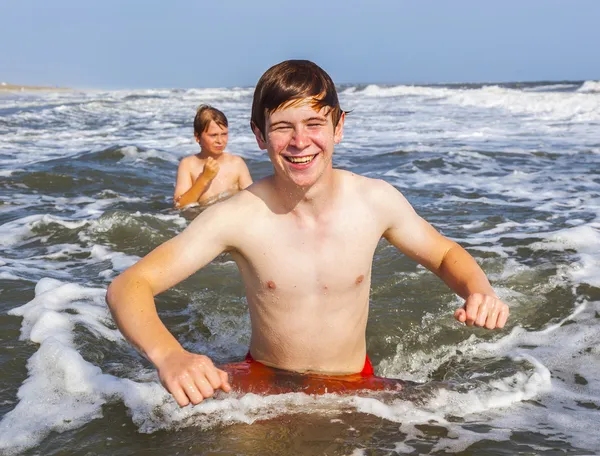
{"x":189,"y":162}
{"x":367,"y":187}
{"x":227,"y":219}
{"x":379,"y":199}
{"x":234,"y":160}
{"x":246,"y":204}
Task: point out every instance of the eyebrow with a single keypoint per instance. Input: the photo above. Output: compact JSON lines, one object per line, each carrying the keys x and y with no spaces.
{"x":280,"y":122}
{"x":310,"y":119}
{"x":315,"y":118}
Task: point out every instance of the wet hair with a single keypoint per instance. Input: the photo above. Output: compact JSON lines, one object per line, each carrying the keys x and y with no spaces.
{"x":289,"y":82}
{"x":204,"y":115}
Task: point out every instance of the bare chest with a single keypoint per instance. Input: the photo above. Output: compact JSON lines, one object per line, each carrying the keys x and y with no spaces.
{"x":334,"y":259}
{"x":226,"y":179}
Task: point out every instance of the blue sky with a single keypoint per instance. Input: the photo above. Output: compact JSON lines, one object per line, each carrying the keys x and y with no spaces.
{"x":186,"y":43}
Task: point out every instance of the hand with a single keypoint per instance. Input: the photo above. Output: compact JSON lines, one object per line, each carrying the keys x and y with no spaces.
{"x":483,"y":310}
{"x":191,"y":378}
{"x":211,"y":168}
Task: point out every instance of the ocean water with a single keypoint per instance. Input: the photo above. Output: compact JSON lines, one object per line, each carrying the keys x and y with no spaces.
{"x":510,"y":171}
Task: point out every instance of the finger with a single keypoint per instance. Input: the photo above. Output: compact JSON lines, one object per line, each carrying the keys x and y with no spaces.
{"x":460,"y":315}
{"x":192,"y":392}
{"x":181,"y":398}
{"x":204,"y":386}
{"x":482,"y":312}
{"x":225,"y":386}
{"x":502,"y":317}
{"x":202,"y":367}
{"x":472,"y":306}
{"x":492,"y":319}
{"x":213,"y":377}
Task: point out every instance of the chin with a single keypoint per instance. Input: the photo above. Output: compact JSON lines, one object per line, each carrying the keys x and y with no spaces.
{"x":305,"y":181}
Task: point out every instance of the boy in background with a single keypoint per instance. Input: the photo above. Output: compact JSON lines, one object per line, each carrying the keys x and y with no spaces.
{"x":212,"y":174}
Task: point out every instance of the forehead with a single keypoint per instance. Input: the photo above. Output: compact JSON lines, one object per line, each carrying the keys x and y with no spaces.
{"x":300,"y":109}
{"x":214,"y":127}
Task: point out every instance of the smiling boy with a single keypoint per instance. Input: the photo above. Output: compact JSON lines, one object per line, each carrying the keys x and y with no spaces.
{"x":303,"y":240}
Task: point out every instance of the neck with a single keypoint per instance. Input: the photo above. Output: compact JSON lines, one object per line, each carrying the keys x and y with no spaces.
{"x":205,"y":154}
{"x":307,"y":201}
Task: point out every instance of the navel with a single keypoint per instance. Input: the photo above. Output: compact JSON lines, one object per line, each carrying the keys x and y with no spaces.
{"x":359,"y":279}
{"x":271,"y":285}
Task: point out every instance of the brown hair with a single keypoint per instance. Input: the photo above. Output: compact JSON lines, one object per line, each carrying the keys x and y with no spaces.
{"x":293,"y":80}
{"x":204,"y":115}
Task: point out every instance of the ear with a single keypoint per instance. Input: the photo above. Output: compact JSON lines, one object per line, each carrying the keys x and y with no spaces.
{"x":260,"y":139}
{"x":338,"y":133}
{"x":197,"y":137}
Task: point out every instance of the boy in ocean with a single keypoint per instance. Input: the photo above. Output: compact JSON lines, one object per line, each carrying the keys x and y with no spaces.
{"x":212,"y":174}
{"x":303,"y":240}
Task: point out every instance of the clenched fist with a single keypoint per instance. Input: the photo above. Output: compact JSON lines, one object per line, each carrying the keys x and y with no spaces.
{"x":211,"y":168}
{"x":191,"y":378}
{"x":483,"y":310}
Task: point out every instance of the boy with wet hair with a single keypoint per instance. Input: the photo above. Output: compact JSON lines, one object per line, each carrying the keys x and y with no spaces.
{"x":212,"y":174}
{"x":288,"y":84}
{"x":303,"y":239}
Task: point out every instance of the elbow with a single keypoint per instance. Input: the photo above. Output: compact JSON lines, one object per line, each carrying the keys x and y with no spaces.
{"x":177,"y":202}
{"x":449,"y":259}
{"x":115,"y":291}
{"x":443,"y":262}
{"x":124,"y":287}
{"x":111,"y":293}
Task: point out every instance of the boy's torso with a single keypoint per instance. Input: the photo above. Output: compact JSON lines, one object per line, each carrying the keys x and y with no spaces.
{"x":224,"y":184}
{"x":307,"y":280}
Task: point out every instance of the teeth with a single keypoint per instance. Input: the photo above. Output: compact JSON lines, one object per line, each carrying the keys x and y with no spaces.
{"x":300,"y":159}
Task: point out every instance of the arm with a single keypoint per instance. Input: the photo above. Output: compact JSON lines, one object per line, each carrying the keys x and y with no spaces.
{"x":184,"y":180}
{"x":416,"y":238}
{"x":188,"y":193}
{"x":187,"y":376}
{"x":244,"y":177}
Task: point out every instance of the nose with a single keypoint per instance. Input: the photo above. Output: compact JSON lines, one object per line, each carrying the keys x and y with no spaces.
{"x":300,"y":139}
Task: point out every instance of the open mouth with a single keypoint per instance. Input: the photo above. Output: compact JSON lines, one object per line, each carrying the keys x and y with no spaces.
{"x":300,"y":160}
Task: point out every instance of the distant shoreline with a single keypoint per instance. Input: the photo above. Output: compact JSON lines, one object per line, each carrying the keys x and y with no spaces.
{"x":6,"y":87}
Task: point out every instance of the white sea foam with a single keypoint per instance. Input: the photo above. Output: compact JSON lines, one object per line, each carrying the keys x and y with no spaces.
{"x":13,"y":232}
{"x":590,"y":87}
{"x":131,"y":153}
{"x":549,"y":87}
{"x":563,"y":350}
{"x":585,"y":239}
{"x":9,"y":276}
{"x":18,"y":230}
{"x":119,"y":260}
{"x":63,"y":391}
